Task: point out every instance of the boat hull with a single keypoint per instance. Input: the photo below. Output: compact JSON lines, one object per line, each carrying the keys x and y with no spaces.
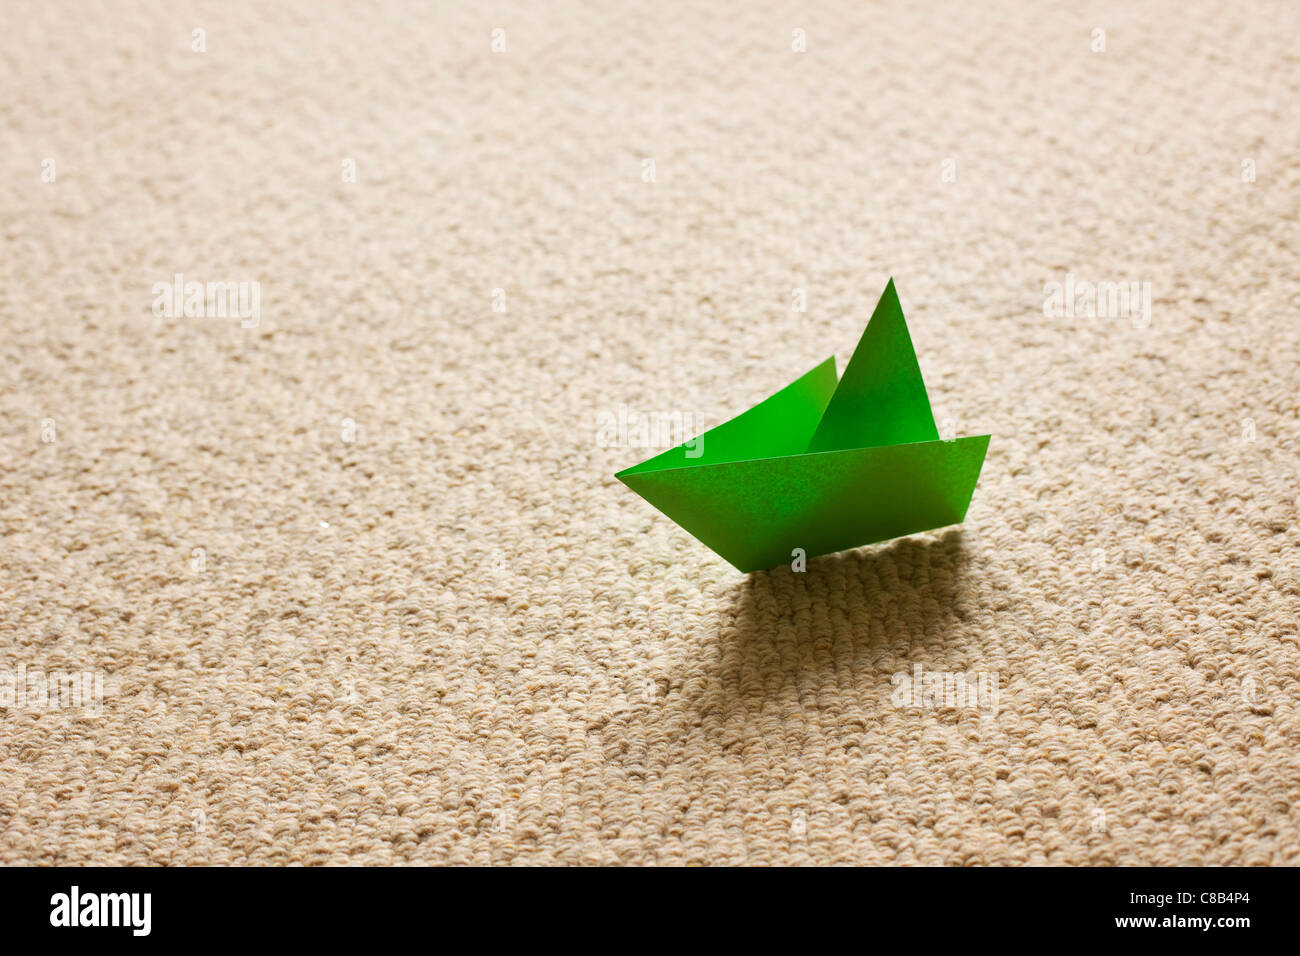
{"x":764,"y":512}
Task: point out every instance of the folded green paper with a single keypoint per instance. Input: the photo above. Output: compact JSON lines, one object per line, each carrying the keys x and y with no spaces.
{"x":822,"y":465}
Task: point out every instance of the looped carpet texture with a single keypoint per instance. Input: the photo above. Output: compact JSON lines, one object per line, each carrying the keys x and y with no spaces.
{"x":346,"y":556}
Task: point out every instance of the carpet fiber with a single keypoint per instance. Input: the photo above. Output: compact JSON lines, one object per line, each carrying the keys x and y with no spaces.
{"x":352,"y":564}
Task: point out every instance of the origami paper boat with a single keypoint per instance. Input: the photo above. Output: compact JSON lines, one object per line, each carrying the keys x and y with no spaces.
{"x":821,"y":466}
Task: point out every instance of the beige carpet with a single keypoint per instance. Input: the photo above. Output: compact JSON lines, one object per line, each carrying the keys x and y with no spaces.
{"x":444,"y":633}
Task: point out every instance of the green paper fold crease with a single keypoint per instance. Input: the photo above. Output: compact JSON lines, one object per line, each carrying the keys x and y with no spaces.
{"x":821,"y":466}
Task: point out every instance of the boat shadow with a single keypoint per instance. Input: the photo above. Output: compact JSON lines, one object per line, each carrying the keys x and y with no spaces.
{"x":850,"y":617}
{"x":791,"y":649}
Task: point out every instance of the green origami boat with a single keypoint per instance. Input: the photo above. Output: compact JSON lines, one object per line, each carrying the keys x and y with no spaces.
{"x":822,"y":465}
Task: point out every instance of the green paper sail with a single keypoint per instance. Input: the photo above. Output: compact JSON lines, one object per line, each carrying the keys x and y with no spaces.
{"x":823,"y":465}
